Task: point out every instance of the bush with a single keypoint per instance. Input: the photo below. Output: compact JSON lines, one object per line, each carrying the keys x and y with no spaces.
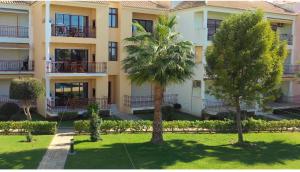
{"x":68,"y":115}
{"x":220,"y":126}
{"x":95,"y":123}
{"x":7,"y":110}
{"x":104,"y":113}
{"x":35,"y":127}
{"x":177,"y":106}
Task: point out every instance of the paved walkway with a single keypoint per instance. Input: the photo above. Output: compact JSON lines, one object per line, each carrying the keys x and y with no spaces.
{"x":272,"y":116}
{"x":58,"y":150}
{"x":115,"y":112}
{"x":125,"y":116}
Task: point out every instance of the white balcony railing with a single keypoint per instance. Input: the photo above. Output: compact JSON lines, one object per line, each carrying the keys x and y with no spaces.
{"x":148,"y":101}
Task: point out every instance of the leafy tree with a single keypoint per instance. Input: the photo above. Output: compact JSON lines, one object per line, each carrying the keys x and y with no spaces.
{"x":245,"y":62}
{"x":159,"y":58}
{"x":27,"y":90}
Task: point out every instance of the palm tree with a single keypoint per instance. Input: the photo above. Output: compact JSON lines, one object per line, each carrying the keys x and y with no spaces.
{"x":159,"y":58}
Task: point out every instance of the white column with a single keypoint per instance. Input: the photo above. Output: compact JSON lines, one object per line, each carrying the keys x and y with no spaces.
{"x":30,"y":36}
{"x":204,"y":26}
{"x":47,"y":46}
{"x":47,"y":30}
{"x":290,"y":88}
{"x":294,"y":43}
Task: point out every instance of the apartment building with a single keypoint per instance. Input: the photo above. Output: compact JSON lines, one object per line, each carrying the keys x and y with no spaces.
{"x":16,"y":58}
{"x":76,"y":47}
{"x":203,"y":19}
{"x":77,"y":51}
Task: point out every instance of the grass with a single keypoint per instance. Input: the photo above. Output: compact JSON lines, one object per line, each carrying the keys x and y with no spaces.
{"x":174,"y":116}
{"x":187,"y":151}
{"x":15,"y":153}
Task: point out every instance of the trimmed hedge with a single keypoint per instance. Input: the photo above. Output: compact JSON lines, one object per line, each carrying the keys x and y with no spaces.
{"x":220,"y":126}
{"x":36,"y":127}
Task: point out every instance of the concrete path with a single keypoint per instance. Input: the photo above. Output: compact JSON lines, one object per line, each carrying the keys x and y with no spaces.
{"x":271,"y":116}
{"x":124,"y":116}
{"x":56,"y":155}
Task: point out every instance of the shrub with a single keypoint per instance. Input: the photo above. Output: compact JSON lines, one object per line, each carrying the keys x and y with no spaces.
{"x":177,"y":106}
{"x":220,"y":126}
{"x":7,"y":110}
{"x":94,"y":126}
{"x":35,"y":127}
{"x":104,"y":113}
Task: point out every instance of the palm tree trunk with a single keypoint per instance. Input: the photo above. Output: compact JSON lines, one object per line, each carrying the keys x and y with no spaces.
{"x":239,"y":121}
{"x":157,"y":133}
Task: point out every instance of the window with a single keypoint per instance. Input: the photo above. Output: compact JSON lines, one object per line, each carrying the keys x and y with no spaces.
{"x":147,"y":24}
{"x":113,"y":51}
{"x":113,"y":17}
{"x":196,"y":88}
{"x":70,"y":25}
{"x":74,"y":21}
{"x":212,"y":26}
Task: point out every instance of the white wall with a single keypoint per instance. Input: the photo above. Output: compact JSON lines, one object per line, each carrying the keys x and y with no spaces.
{"x":13,"y":54}
{"x":4,"y":87}
{"x":11,"y":19}
{"x":141,"y":90}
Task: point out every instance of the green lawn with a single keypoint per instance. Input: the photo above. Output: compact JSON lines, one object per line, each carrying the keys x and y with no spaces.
{"x":17,"y":154}
{"x":187,"y":151}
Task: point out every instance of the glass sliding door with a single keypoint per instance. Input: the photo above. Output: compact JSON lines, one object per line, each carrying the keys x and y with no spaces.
{"x":71,"y":60}
{"x":71,"y":25}
{"x":66,"y":92}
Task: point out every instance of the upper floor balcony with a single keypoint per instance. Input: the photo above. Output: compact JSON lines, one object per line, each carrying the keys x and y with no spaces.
{"x":13,"y":31}
{"x":73,"y":31}
{"x":76,"y":68}
{"x":11,"y":66}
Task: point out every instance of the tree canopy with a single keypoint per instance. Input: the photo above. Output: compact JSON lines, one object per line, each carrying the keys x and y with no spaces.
{"x":245,"y":61}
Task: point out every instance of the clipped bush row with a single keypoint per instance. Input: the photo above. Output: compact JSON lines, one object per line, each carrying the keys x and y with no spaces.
{"x":36,"y":127}
{"x":119,"y":126}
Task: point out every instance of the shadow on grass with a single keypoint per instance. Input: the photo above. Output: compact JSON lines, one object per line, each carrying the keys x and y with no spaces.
{"x":28,"y":159}
{"x":149,"y":156}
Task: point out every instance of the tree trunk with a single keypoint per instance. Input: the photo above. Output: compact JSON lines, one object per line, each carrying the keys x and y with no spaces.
{"x":239,"y":121}
{"x":26,"y":108}
{"x":157,"y":133}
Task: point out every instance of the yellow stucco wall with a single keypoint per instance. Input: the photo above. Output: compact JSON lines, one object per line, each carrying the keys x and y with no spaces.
{"x":98,"y":13}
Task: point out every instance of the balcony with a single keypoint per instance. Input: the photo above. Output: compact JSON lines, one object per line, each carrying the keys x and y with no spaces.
{"x":73,"y":31}
{"x":5,"y":99}
{"x":13,"y":31}
{"x":76,"y":67}
{"x":285,"y":102}
{"x":16,"y":66}
{"x":287,"y":37}
{"x":76,"y":104}
{"x":148,"y":101}
{"x":291,"y":69}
